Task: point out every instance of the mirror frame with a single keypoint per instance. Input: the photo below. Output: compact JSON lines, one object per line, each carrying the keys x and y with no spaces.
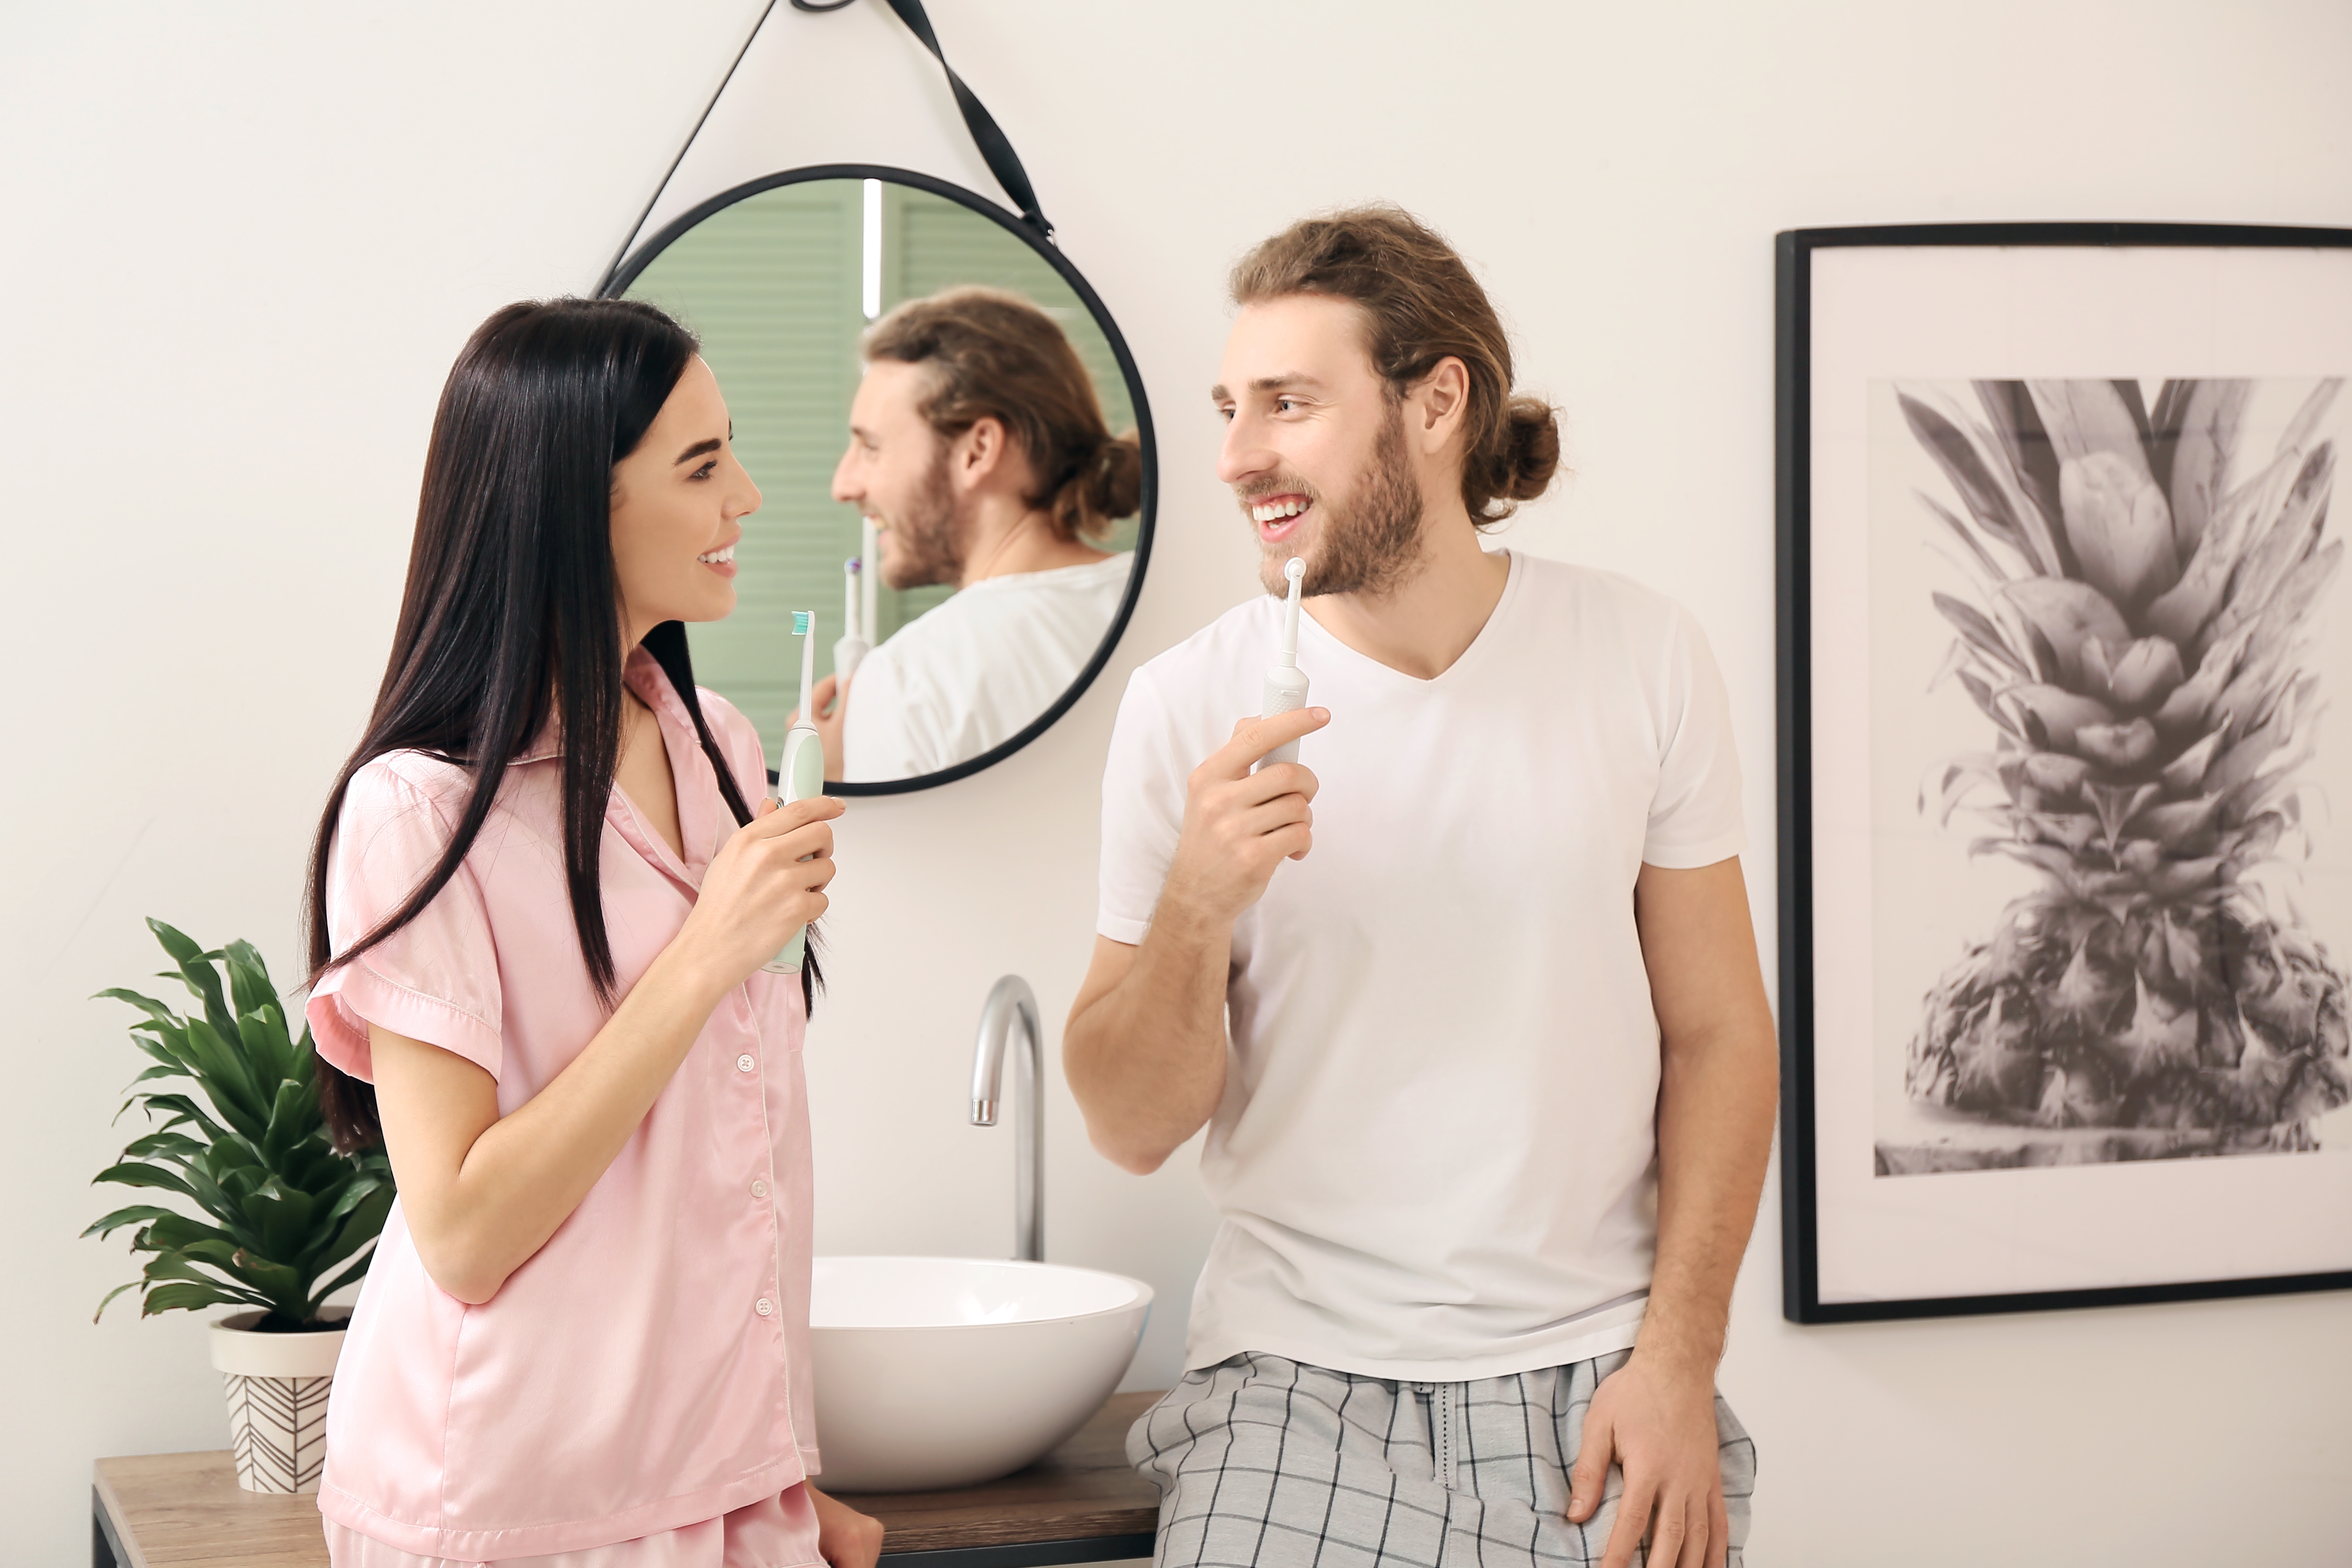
{"x":642,"y":256}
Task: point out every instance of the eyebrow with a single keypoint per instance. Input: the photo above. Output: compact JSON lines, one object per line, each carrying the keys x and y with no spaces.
{"x":700,"y":448}
{"x":1293,"y":378}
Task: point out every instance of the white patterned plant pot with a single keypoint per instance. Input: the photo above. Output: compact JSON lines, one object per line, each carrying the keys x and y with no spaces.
{"x":276,"y":1386}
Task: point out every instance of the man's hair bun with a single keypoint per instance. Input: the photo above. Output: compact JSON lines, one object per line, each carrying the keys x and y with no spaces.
{"x":1530,"y":456}
{"x":1114,"y":480}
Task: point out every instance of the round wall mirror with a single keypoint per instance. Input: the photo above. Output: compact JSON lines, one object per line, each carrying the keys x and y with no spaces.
{"x":869,"y":326}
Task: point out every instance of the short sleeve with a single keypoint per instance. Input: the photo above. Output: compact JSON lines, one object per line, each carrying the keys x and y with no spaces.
{"x":437,"y":978}
{"x":1695,"y":817}
{"x":1142,"y":811}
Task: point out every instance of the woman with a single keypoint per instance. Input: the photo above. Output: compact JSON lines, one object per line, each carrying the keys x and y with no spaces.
{"x":540,"y":903}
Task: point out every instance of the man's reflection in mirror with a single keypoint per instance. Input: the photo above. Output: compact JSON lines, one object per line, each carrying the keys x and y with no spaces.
{"x":978,"y":448}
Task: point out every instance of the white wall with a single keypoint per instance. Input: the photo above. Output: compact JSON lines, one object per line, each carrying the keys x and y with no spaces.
{"x":244,"y":240}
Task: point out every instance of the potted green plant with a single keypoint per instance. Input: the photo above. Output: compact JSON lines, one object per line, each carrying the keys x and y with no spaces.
{"x":287,"y":1221}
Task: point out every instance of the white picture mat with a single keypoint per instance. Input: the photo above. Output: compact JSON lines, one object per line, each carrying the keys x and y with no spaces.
{"x":1937,"y":313}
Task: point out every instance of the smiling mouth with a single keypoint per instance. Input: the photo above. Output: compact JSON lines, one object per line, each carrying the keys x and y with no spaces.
{"x":725,"y":557}
{"x":1276,"y":517}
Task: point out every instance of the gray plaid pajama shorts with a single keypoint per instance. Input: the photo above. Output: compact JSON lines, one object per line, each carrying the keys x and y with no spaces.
{"x":1268,"y":1463}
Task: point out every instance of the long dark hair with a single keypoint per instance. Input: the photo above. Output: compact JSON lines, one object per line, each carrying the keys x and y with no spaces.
{"x":512,"y":611}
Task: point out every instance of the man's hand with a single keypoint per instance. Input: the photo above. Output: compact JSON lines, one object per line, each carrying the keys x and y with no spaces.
{"x":845,"y":1537}
{"x":1239,"y":825}
{"x":1658,"y":1424}
{"x":826,"y":716}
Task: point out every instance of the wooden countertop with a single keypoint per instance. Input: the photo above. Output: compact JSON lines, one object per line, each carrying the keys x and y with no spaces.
{"x":186,"y":1510}
{"x":1081,"y":1490}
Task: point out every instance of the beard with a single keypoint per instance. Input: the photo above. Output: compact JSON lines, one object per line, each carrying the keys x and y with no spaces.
{"x":1368,"y":545}
{"x":923,"y":547}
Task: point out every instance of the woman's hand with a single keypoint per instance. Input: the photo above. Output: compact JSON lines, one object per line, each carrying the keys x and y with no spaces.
{"x":845,"y":1537}
{"x":765,"y":883}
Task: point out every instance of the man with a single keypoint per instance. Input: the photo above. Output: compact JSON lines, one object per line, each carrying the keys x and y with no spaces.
{"x":978,"y":447}
{"x":1489,"y":1127}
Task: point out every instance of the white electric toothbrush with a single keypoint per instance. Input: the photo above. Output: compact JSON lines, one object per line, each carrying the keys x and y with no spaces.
{"x":869,"y":582}
{"x":801,"y":772}
{"x":854,"y":645}
{"x":1285,"y":683}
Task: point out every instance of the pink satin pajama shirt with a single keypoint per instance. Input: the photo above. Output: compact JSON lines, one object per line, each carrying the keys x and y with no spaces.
{"x":644,"y":1378}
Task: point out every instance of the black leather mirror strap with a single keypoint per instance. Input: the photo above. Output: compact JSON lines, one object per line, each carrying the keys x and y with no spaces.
{"x":996,"y":151}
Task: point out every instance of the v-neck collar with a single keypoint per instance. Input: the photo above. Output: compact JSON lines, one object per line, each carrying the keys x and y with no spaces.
{"x":690,"y":777}
{"x":687,"y":767}
{"x":1325,"y":642}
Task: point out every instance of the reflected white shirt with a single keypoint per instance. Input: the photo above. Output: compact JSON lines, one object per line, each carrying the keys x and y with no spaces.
{"x":972,"y":673}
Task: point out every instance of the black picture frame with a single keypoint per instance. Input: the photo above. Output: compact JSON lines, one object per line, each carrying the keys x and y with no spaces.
{"x":1799,"y":1188}
{"x":641,"y":256}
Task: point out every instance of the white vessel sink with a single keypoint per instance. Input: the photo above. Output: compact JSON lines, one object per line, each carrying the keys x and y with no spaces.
{"x":947,"y":1372}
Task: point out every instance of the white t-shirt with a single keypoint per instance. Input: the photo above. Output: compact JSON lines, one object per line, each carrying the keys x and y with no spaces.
{"x":1435,"y":1156}
{"x":972,"y":673}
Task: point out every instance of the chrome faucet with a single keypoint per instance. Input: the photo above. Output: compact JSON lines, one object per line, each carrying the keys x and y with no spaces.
{"x":1010,"y":1001}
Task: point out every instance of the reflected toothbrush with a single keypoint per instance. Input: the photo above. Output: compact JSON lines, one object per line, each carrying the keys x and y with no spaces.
{"x":854,"y":646}
{"x":801,"y":773}
{"x":869,"y":581}
{"x":1285,"y":683}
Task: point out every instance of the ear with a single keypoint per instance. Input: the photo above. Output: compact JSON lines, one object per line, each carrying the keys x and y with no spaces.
{"x":978,"y":453}
{"x":1441,"y":401}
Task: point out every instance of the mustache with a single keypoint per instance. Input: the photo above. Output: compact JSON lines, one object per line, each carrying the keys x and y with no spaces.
{"x":1249,"y":495}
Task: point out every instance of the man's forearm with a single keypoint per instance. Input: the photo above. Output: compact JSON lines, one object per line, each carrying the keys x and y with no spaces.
{"x":1145,"y":1047}
{"x":1715,"y":1103}
{"x":1146,"y":1057}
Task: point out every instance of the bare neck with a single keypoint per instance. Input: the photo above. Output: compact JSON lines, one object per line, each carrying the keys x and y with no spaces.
{"x":1430,"y":617}
{"x":1007,"y":537}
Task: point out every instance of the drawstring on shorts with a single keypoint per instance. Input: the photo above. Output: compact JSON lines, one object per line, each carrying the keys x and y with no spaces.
{"x":1439,"y":1400}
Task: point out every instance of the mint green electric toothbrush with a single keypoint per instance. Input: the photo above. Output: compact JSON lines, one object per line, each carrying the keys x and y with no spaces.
{"x":801,"y":771}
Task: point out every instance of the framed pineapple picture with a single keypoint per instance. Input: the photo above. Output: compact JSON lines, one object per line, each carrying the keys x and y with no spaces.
{"x":2065,"y":730}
